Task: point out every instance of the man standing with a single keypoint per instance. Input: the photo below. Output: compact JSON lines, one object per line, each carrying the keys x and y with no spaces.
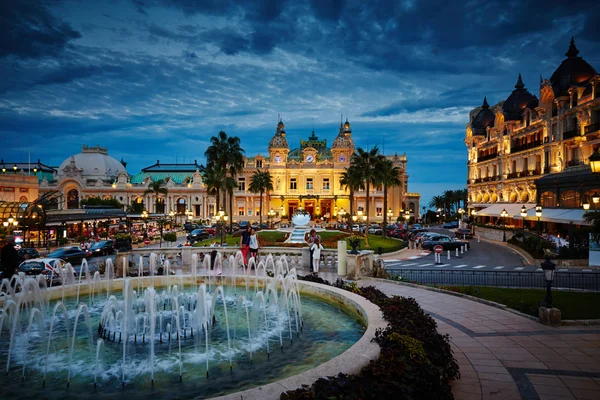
{"x":10,"y":258}
{"x":312,"y":238}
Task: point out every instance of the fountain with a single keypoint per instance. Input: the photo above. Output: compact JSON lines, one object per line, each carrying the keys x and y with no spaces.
{"x":201,"y":334}
{"x":300,"y":219}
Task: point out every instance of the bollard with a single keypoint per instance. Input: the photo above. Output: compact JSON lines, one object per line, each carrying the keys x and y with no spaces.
{"x":448,"y":254}
{"x":466,"y":247}
{"x":478,"y":241}
{"x":462,"y":249}
{"x":457,"y":251}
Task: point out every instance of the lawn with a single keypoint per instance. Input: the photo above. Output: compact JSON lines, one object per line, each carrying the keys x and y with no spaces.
{"x":572,"y":305}
{"x":330,"y":239}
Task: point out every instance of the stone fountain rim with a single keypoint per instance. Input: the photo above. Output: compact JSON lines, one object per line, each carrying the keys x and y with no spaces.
{"x":349,"y":362}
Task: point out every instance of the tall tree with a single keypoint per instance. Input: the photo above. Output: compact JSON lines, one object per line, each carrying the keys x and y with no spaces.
{"x":227,"y":156}
{"x":352,"y":180}
{"x":230,"y":186}
{"x":366,"y":162}
{"x":388,"y":175}
{"x":261,"y":182}
{"x":212,"y":180}
{"x":156,"y":188}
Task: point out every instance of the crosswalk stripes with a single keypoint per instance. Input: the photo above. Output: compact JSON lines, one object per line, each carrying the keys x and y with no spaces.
{"x":442,"y":266}
{"x":409,"y":264}
{"x":519,"y":268}
{"x":499,"y":267}
{"x":479,"y":267}
{"x":425,"y":265}
{"x":460,"y":266}
{"x":562,"y":270}
{"x":538,"y":270}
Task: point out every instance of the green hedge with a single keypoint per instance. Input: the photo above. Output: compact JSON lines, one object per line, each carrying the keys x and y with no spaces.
{"x":415,"y":361}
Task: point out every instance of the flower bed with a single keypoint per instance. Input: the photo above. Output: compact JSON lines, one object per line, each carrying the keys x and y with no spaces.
{"x":416,"y":362}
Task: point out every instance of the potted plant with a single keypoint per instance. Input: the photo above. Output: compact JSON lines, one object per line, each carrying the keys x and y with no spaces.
{"x":354,"y":243}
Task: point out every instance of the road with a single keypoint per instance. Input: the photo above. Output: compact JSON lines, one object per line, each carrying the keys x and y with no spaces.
{"x":488,"y":264}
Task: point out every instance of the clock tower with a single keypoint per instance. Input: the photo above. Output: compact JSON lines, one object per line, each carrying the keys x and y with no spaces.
{"x":343,"y":146}
{"x":278,"y":147}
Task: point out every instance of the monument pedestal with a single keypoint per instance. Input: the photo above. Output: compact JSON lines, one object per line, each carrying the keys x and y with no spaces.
{"x":549,"y":316}
{"x":358,"y":265}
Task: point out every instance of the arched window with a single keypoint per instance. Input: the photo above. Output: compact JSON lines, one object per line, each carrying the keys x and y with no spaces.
{"x":548,"y":199}
{"x":181,"y":206}
{"x":73,"y":198}
{"x":570,"y":199}
{"x":412,"y":206}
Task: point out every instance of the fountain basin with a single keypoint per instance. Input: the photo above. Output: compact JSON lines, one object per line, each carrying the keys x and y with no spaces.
{"x":348,"y":362}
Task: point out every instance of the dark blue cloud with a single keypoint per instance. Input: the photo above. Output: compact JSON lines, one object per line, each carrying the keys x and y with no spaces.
{"x":29,"y":29}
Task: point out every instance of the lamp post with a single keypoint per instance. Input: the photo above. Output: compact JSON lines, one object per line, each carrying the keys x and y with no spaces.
{"x":548,"y":267}
{"x":461,"y":212}
{"x":407,"y":217}
{"x":354,"y":218}
{"x":523,"y":215}
{"x":145,"y":217}
{"x":439,"y":212}
{"x":390,"y":215}
{"x":341,"y":214}
{"x":504,"y":214}
{"x":538,"y":214}
{"x":271,"y":214}
{"x":595,"y":162}
{"x":172,"y":215}
{"x":596,"y":200}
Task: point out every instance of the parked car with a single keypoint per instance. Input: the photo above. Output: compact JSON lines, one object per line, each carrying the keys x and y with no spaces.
{"x":416,"y":226}
{"x":450,"y":225}
{"x":464,"y":234}
{"x":446,"y":242}
{"x":102,"y":248}
{"x":188,"y":226}
{"x":197,"y":235}
{"x":73,"y":255}
{"x":28,"y":253}
{"x":45,"y":266}
{"x":355,"y":227}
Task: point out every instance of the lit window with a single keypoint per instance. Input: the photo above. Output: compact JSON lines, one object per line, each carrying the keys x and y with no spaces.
{"x":325,"y":183}
{"x":309,"y":183}
{"x":241,"y":211}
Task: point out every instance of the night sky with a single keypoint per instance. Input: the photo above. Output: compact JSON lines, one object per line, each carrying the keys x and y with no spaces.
{"x":154,"y":79}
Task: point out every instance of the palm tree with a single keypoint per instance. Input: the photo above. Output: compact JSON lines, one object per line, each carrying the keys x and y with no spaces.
{"x":260,"y":182}
{"x":352,"y":180}
{"x":366,"y":162}
{"x":387,"y":175}
{"x":212,"y":180}
{"x":156,"y":188}
{"x":230,"y":186}
{"x":227,"y":156}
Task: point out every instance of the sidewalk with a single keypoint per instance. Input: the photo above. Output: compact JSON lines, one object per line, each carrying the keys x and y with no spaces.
{"x":404,"y":254}
{"x":505,"y":356}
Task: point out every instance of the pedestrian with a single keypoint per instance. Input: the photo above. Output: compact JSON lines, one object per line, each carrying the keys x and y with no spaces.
{"x":315,"y":250}
{"x":246,"y":243}
{"x":10,"y":258}
{"x":253,"y":245}
{"x":411,"y":240}
{"x":312,"y":238}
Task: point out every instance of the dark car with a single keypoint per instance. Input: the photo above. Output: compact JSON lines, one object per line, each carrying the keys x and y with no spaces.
{"x":102,"y":248}
{"x":450,"y":225}
{"x":188,"y":226}
{"x":71,"y":255}
{"x":28,"y":253}
{"x":464,"y":234}
{"x":197,"y":235}
{"x":446,"y":242}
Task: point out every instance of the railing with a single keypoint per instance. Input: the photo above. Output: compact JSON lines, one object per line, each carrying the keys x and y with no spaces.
{"x":490,"y":178}
{"x":531,"y":279}
{"x":570,"y":134}
{"x":591,"y":128}
{"x":572,"y":163}
{"x":486,"y":157}
{"x":526,"y":146}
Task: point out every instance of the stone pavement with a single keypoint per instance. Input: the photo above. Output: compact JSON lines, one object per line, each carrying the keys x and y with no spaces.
{"x":506,"y":356}
{"x":404,"y":254}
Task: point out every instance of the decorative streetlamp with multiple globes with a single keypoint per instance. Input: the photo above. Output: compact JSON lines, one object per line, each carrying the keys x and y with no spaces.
{"x":222,"y":219}
{"x":504,"y":214}
{"x":548,"y":267}
{"x":538,"y":214}
{"x":523,"y":215}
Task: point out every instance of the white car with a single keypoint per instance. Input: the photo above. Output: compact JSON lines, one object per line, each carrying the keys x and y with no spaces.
{"x":45,"y":266}
{"x":355,"y":227}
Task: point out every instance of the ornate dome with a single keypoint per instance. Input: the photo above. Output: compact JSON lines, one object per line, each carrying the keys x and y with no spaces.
{"x":344,"y":138}
{"x":279,"y":141}
{"x":93,"y":163}
{"x":519,"y":99}
{"x":483,"y":119}
{"x":573,"y":71}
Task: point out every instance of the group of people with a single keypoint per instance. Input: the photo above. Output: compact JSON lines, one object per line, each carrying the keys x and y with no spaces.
{"x":249,"y":244}
{"x":316,"y":246}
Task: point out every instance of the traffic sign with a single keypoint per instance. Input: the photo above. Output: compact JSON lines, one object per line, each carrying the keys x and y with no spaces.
{"x":147,"y":242}
{"x":438,"y":249}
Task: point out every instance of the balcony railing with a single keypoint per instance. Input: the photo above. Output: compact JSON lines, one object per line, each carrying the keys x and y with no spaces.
{"x":570,"y":134}
{"x":592,"y":128}
{"x":526,"y":146}
{"x":487,"y":157}
{"x":573,"y":163}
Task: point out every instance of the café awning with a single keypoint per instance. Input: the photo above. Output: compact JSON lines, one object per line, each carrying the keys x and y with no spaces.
{"x":560,"y":215}
{"x":513,"y":210}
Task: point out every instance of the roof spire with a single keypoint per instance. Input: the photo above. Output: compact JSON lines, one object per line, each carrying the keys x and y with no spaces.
{"x":520,"y":84}
{"x":572,"y":52}
{"x":485,"y":103}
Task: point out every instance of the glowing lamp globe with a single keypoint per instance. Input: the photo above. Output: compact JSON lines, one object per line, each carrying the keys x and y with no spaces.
{"x":301,"y":217}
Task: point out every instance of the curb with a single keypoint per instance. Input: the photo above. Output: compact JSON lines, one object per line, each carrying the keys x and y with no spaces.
{"x":566,"y":322}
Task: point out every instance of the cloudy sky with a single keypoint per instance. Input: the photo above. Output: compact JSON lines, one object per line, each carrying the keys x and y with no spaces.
{"x":154,"y":79}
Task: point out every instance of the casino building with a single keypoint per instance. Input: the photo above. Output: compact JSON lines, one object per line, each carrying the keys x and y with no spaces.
{"x":527,"y":150}
{"x":307,"y":176}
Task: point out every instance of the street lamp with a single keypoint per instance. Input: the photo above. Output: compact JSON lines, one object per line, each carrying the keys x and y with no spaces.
{"x":461,"y":212}
{"x":548,"y":267}
{"x":172,"y":215}
{"x":523,"y":215}
{"x":341,"y":214}
{"x":538,"y":214}
{"x":595,"y":161}
{"x":145,"y":216}
{"x":595,"y":200}
{"x":390,"y":215}
{"x":504,"y":214}
{"x":271,"y":214}
{"x":407,"y":217}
